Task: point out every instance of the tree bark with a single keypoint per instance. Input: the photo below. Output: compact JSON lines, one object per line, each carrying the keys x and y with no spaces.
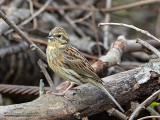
{"x":85,"y":101}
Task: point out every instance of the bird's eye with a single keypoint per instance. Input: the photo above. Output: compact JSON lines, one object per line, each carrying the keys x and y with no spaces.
{"x":59,"y":36}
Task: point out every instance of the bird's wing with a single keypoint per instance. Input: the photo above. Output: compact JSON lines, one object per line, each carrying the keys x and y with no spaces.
{"x":76,"y":61}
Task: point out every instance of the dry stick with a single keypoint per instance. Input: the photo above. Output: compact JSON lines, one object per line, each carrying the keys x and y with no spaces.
{"x":33,"y":16}
{"x":114,"y":112}
{"x":147,"y":45}
{"x":152,"y":111}
{"x":42,"y":66}
{"x":96,"y":34}
{"x":23,"y":36}
{"x":41,"y":87}
{"x":148,"y":117}
{"x":131,"y":26}
{"x":82,"y":19}
{"x":145,"y":104}
{"x":15,"y":36}
{"x":32,"y":12}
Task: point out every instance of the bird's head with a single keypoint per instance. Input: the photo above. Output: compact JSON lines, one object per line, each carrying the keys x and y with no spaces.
{"x":58,"y":36}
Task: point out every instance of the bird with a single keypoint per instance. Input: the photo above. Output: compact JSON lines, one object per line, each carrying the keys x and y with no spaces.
{"x":68,"y":63}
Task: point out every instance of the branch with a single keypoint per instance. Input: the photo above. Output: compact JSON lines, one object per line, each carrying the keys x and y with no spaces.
{"x":43,"y":66}
{"x":150,"y":47}
{"x":145,"y":104}
{"x":86,"y":101}
{"x":131,"y":26}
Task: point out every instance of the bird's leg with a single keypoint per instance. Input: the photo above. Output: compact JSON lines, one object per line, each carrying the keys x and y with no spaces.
{"x":63,"y":93}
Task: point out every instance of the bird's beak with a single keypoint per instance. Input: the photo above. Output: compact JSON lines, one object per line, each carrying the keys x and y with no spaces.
{"x":50,"y":36}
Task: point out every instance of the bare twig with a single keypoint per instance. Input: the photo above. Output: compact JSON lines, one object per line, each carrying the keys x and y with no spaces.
{"x":41,"y":87}
{"x":152,"y":111}
{"x":112,"y":9}
{"x":148,"y":117}
{"x":32,"y":12}
{"x":50,"y":82}
{"x":82,"y":19}
{"x":145,"y":104}
{"x":23,"y":36}
{"x":153,"y":49}
{"x":117,"y":114}
{"x":133,"y":27}
{"x":15,"y":36}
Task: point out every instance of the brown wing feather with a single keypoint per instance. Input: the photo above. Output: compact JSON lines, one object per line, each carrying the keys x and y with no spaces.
{"x":76,"y":61}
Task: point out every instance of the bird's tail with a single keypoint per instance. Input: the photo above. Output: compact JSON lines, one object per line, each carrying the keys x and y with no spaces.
{"x":100,"y":85}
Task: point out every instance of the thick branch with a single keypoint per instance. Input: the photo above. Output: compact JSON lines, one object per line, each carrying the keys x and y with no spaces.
{"x":86,"y":101}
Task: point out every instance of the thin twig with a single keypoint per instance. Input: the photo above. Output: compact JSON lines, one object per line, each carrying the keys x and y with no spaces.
{"x":15,"y":36}
{"x":145,"y":104}
{"x":148,"y":117}
{"x":32,"y":12}
{"x":152,"y":111}
{"x":96,"y":34}
{"x":41,"y":87}
{"x":131,"y":26}
{"x":147,"y":45}
{"x":82,"y":19}
{"x":23,"y":36}
{"x":50,"y":82}
{"x":114,"y":112}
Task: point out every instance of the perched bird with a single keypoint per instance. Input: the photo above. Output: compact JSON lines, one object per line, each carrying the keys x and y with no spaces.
{"x":68,"y":63}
